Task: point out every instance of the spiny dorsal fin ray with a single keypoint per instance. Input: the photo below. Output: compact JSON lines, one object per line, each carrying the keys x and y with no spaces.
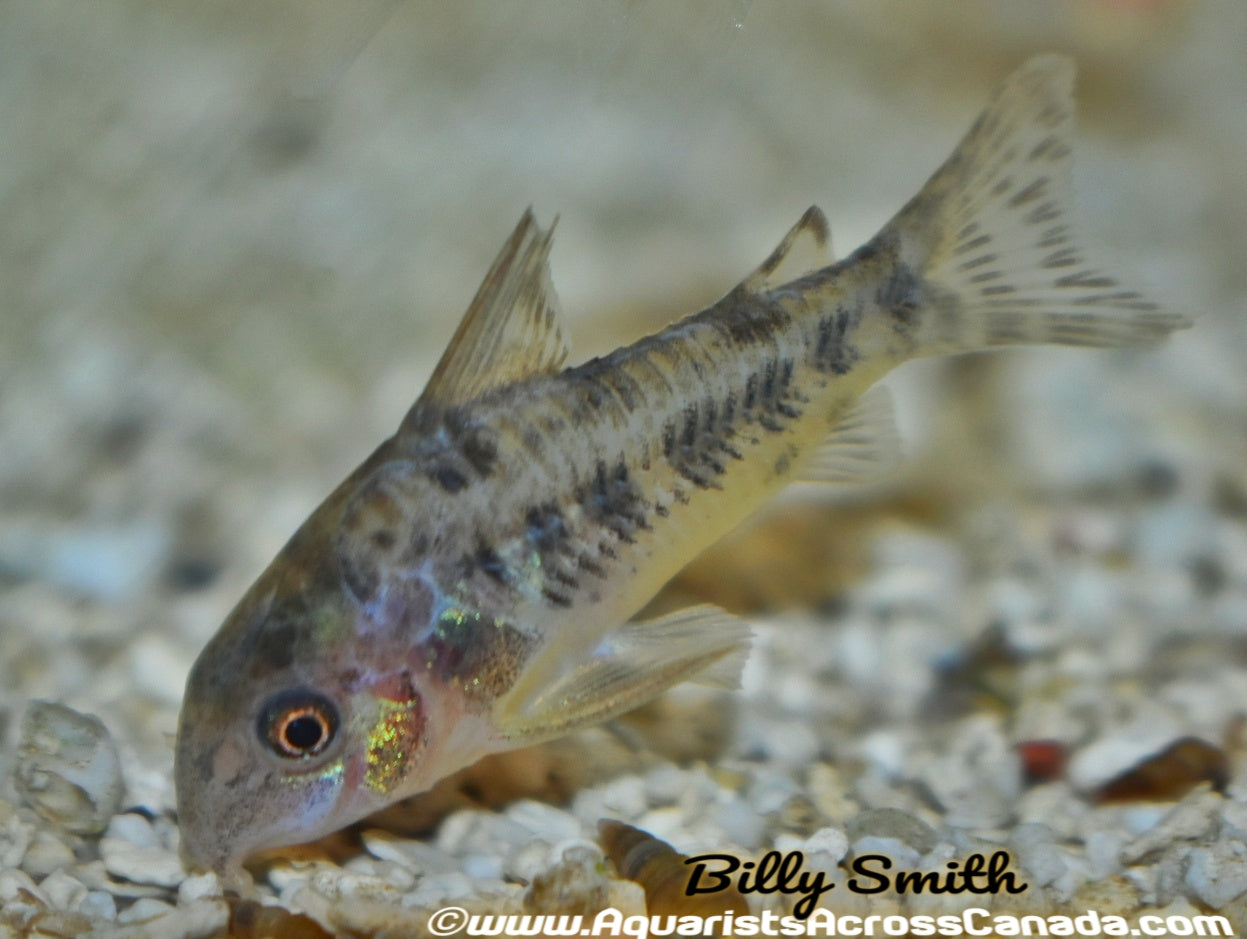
{"x":862,"y":446}
{"x":806,"y":247}
{"x":632,"y":665}
{"x":513,"y":328}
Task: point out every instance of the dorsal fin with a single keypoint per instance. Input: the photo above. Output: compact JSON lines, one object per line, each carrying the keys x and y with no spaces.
{"x":513,"y":328}
{"x":805,"y":248}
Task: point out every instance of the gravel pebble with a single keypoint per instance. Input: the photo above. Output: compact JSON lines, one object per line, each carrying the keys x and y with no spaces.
{"x":198,"y":886}
{"x":133,"y":828}
{"x":441,"y":888}
{"x":483,"y":866}
{"x":894,"y":824}
{"x":576,"y":884}
{"x":544,"y":820}
{"x":1218,"y":874}
{"x":416,"y":856}
{"x":46,"y":854}
{"x":529,"y":861}
{"x":99,"y":906}
{"x":144,"y":909}
{"x":1190,"y":819}
{"x":63,"y":891}
{"x":16,"y":886}
{"x":1035,"y":850}
{"x":141,"y":865}
{"x":1104,"y":853}
{"x":901,"y":854}
{"x":474,"y":830}
{"x":15,"y":836}
{"x":832,"y":842}
{"x":68,"y":769}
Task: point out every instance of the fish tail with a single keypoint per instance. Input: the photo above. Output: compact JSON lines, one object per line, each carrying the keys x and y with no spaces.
{"x":991,"y":243}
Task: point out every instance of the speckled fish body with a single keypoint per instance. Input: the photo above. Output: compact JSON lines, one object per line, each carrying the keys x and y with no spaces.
{"x":471,"y":586}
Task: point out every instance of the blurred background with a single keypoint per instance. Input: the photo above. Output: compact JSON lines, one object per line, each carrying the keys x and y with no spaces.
{"x":234,"y":238}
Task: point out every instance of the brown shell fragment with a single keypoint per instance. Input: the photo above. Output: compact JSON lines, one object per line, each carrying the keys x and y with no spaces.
{"x":661,"y":871}
{"x":1169,"y":774}
{"x":251,"y":920}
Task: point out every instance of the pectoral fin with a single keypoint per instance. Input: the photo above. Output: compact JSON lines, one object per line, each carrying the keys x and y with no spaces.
{"x":632,"y":665}
{"x":862,"y":446}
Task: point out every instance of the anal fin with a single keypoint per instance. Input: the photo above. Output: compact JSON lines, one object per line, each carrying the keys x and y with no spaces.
{"x":863,"y":445}
{"x":632,"y":665}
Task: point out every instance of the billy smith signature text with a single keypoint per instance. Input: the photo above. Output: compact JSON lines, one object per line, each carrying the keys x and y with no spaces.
{"x":785,"y":873}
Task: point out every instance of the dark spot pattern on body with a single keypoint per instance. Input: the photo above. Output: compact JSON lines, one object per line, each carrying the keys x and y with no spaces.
{"x":751,"y":392}
{"x":533,"y":441}
{"x":901,"y":295}
{"x":770,"y":372}
{"x":374,"y":530}
{"x":867,"y":252}
{"x":556,"y":597}
{"x":707,"y":435}
{"x":594,"y":395}
{"x":786,"y":394}
{"x":479,"y":446}
{"x":274,"y":647}
{"x":626,"y":389}
{"x":691,"y":428}
{"x":614,"y":500}
{"x":749,"y":319}
{"x":563,"y":578}
{"x":668,"y":440}
{"x":545,"y":527}
{"x":832,"y":350}
{"x":590,"y":565}
{"x":448,"y":478}
{"x":561,"y":554}
{"x":488,"y":561}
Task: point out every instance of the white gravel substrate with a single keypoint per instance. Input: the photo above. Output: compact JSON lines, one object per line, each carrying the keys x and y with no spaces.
{"x":204,"y":339}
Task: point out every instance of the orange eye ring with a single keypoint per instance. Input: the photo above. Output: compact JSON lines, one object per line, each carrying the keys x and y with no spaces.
{"x":298,"y":725}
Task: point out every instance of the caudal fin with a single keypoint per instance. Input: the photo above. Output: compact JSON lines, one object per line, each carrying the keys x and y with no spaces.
{"x":991,"y":234}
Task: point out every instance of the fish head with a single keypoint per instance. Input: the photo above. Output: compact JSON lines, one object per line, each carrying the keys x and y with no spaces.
{"x":292,"y":728}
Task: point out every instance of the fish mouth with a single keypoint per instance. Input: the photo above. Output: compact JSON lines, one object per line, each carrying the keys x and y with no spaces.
{"x":206,"y":847}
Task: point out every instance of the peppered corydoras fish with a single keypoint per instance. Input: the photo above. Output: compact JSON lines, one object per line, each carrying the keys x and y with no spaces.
{"x":469,"y":587}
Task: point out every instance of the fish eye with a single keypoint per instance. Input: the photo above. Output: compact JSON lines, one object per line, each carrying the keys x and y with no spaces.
{"x":298,"y":724}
